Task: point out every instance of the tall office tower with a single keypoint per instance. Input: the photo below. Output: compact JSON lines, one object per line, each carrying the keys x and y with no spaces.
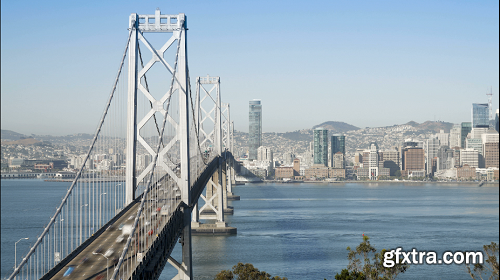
{"x":466,"y":129}
{"x":455,"y":136}
{"x":444,"y":138}
{"x":431,"y":151}
{"x":480,"y":115}
{"x":321,"y":146}
{"x":338,"y":145}
{"x":255,"y":128}
{"x":373,"y":161}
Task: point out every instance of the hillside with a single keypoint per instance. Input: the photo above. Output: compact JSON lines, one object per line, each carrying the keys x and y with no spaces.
{"x":432,"y":126}
{"x":9,"y":135}
{"x":336,"y":127}
{"x":24,"y":142}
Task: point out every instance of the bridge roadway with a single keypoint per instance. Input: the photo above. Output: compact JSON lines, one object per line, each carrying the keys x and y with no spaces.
{"x":87,"y":265}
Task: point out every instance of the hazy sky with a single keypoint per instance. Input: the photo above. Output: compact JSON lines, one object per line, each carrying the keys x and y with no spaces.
{"x":366,"y":63}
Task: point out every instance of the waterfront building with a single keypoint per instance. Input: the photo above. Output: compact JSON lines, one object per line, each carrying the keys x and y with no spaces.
{"x":284,"y":172}
{"x":255,"y":128}
{"x":480,"y":115}
{"x":466,"y":129}
{"x":455,"y":136}
{"x":466,"y":172}
{"x":337,"y":145}
{"x":321,"y":146}
{"x":16,"y":162}
{"x":337,"y":173}
{"x":317,"y":171}
{"x":470,"y":157}
{"x":323,"y":172}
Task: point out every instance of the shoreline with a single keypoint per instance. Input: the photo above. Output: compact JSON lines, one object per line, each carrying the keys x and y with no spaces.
{"x":377,"y":182}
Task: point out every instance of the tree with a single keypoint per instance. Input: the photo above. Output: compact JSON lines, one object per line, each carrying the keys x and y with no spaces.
{"x":366,"y":263}
{"x":397,"y":174}
{"x":490,"y":264}
{"x":245,"y":272}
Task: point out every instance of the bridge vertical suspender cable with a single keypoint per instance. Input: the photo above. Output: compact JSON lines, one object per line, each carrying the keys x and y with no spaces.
{"x":64,"y":201}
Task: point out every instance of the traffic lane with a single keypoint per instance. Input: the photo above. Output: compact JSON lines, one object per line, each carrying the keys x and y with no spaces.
{"x":86,"y":265}
{"x":93,"y":265}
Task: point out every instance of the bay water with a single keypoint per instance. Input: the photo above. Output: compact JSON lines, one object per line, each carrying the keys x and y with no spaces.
{"x":300,"y":231}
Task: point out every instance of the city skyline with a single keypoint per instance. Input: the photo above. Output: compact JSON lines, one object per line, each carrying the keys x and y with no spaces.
{"x":332,"y":61}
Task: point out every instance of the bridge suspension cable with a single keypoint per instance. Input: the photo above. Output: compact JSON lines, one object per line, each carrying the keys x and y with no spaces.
{"x":44,"y":268}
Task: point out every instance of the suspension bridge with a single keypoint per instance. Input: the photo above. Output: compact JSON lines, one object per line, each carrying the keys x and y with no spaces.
{"x":160,"y":162}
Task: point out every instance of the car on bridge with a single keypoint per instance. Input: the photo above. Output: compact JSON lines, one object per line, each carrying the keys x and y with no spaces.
{"x":69,"y":271}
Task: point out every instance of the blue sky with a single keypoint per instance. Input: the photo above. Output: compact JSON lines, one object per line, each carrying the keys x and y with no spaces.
{"x":366,"y":63}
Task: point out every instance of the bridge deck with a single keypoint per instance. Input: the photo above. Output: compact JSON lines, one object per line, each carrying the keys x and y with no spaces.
{"x":87,"y":265}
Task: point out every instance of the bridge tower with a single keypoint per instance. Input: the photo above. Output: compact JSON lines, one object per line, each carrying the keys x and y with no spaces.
{"x":209,"y":118}
{"x":172,"y":157}
{"x":227,"y":129}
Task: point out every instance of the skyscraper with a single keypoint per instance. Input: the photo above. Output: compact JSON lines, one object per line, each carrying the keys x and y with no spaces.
{"x":338,"y":145}
{"x":255,"y":128}
{"x":480,"y":115}
{"x":466,"y":128}
{"x":431,"y":152}
{"x":455,"y":136}
{"x":321,"y":146}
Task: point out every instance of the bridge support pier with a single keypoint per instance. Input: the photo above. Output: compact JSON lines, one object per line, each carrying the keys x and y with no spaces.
{"x":184,"y":269}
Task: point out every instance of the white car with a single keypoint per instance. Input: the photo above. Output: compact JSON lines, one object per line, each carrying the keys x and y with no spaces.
{"x":119,"y":239}
{"x":109,"y":252}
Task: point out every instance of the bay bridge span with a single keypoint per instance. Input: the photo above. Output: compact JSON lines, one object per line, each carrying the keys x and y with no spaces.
{"x":160,"y":160}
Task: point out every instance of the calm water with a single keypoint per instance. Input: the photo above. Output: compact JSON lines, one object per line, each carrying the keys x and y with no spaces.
{"x":301,"y":231}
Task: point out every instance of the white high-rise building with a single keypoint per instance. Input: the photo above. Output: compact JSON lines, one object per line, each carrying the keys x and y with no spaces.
{"x":264,"y":154}
{"x":431,"y":151}
{"x":444,"y":138}
{"x":455,"y":133}
{"x":373,"y":161}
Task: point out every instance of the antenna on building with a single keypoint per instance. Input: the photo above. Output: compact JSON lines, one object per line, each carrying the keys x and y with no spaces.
{"x":490,"y":95}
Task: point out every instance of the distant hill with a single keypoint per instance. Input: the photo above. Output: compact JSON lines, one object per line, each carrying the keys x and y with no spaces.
{"x":25,"y":142}
{"x":11,"y":135}
{"x":336,"y":127}
{"x":298,"y":135}
{"x":432,"y":126}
